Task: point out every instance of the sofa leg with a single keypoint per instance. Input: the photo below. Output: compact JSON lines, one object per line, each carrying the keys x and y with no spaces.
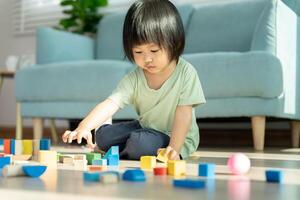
{"x":19,"y":122}
{"x":53,"y":131}
{"x":258,"y":131}
{"x":295,"y":127}
{"x":37,"y":128}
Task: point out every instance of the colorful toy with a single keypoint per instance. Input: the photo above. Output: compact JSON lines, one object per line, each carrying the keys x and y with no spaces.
{"x":148,"y":162}
{"x":48,"y":158}
{"x":135,"y":175}
{"x":92,"y":156}
{"x":274,"y":176}
{"x":206,"y":169}
{"x":161,"y":156}
{"x":27,"y":147}
{"x":45,"y":144}
{"x":6,"y":146}
{"x":176,"y":167}
{"x":238,"y":163}
{"x":12,"y":170}
{"x":34,"y":170}
{"x":109,"y":177}
{"x":189,"y":183}
{"x":91,"y":176}
{"x":160,"y":171}
{"x":100,"y":162}
{"x":4,"y":161}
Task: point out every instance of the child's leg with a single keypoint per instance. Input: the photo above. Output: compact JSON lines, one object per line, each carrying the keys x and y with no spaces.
{"x":144,"y":142}
{"x":115,"y":134}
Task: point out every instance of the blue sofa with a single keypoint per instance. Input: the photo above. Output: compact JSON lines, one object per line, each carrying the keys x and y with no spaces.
{"x":246,"y":53}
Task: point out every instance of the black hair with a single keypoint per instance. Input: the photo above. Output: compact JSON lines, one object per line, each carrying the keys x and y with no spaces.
{"x":153,"y":21}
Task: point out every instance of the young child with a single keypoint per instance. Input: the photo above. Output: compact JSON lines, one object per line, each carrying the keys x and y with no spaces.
{"x":164,"y":89}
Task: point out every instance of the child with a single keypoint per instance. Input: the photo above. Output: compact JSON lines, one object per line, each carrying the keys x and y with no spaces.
{"x":164,"y":89}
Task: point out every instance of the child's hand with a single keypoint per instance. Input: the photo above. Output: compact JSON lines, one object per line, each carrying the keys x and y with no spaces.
{"x":78,"y":134}
{"x":171,"y":153}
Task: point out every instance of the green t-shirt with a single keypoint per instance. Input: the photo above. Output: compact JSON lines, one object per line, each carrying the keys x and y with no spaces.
{"x":156,"y":108}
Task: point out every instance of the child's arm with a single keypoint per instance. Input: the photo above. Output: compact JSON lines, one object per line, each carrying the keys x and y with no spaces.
{"x":101,"y":113}
{"x":181,"y":126}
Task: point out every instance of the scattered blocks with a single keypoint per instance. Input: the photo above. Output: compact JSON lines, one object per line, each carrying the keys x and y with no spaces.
{"x":148,"y":162}
{"x":48,"y":158}
{"x":92,"y":156}
{"x":207,"y":170}
{"x":91,"y":176}
{"x":176,"y":167}
{"x":162,"y":157}
{"x":274,"y":176}
{"x":135,"y":175}
{"x":189,"y":183}
{"x":4,"y":161}
{"x":34,"y":170}
{"x":160,"y":171}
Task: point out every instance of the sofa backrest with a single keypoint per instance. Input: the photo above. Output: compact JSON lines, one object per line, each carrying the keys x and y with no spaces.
{"x":109,"y":37}
{"x":223,"y":25}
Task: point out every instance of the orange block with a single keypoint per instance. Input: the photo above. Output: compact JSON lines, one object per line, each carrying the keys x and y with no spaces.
{"x":96,"y":168}
{"x":7,"y":146}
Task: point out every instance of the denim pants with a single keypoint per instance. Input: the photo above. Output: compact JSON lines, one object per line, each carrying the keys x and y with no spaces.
{"x":133,"y":140}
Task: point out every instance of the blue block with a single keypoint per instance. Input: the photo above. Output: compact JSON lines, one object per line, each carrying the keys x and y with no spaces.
{"x":136,"y":175}
{"x":274,"y":176}
{"x":1,"y":141}
{"x":34,"y":170}
{"x":12,"y":146}
{"x":207,"y":170}
{"x":4,"y":161}
{"x":113,"y":160}
{"x":91,"y":176}
{"x":114,"y":150}
{"x":45,"y":144}
{"x":189,"y":183}
{"x":101,"y":162}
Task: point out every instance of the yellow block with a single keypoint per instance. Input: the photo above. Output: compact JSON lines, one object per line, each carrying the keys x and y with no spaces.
{"x":48,"y":158}
{"x":161,"y":156}
{"x":176,"y":167}
{"x":148,"y":162}
{"x":27,"y":147}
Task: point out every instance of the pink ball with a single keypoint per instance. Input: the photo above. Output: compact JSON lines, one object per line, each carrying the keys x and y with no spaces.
{"x":238,"y":163}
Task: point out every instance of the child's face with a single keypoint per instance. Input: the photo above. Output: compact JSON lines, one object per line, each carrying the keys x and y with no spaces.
{"x":151,"y":58}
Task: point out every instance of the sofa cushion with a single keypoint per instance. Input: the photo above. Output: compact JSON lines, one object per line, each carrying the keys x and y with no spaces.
{"x":110,"y":29}
{"x":223,"y":25}
{"x":70,"y":81}
{"x":252,"y":74}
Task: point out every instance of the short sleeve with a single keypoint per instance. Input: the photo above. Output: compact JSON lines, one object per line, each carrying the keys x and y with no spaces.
{"x":123,"y":94}
{"x":191,"y":90}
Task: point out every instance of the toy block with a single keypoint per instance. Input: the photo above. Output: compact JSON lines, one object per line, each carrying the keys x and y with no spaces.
{"x":113,"y":160}
{"x":48,"y":158}
{"x":92,"y":156}
{"x":274,"y":176}
{"x":20,"y":157}
{"x":12,"y":146}
{"x":66,"y":159}
{"x":109,"y":177}
{"x":35,"y":149}
{"x":189,"y":183}
{"x":18,"y":147}
{"x":160,"y":171}
{"x":34,"y":170}
{"x":80,"y":165}
{"x":4,"y":161}
{"x":91,"y":176}
{"x":207,"y":170}
{"x":161,"y":156}
{"x":114,"y":150}
{"x":12,"y":170}
{"x":1,"y":145}
{"x":2,"y":154}
{"x":96,"y":168}
{"x":101,"y":162}
{"x":27,"y":147}
{"x":147,"y":162}
{"x":6,"y":146}
{"x":45,"y":144}
{"x":135,"y":175}
{"x":80,"y":157}
{"x":176,"y":167}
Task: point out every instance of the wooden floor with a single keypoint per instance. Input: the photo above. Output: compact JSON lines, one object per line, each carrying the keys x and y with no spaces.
{"x":67,"y":183}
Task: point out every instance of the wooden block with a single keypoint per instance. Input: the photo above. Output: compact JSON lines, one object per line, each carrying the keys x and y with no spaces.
{"x":12,"y":170}
{"x":18,"y":147}
{"x":207,"y":170}
{"x":21,"y":157}
{"x":45,"y":144}
{"x":148,"y":162}
{"x":189,"y":183}
{"x":4,"y":161}
{"x":12,"y":146}
{"x":92,"y":156}
{"x":80,"y":165}
{"x":96,"y":168}
{"x":135,"y":175}
{"x":6,"y":146}
{"x":34,"y":170}
{"x":36,"y":149}
{"x":27,"y":147}
{"x":274,"y":176}
{"x":101,"y":162}
{"x":176,"y":167}
{"x":161,"y":156}
{"x":114,"y":150}
{"x":109,"y":177}
{"x":48,"y":158}
{"x":91,"y":176}
{"x":80,"y":157}
{"x":66,"y":160}
{"x":113,"y":160}
{"x":160,"y":171}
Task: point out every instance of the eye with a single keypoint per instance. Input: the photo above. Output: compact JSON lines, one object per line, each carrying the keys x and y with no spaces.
{"x":137,"y":52}
{"x":154,"y":51}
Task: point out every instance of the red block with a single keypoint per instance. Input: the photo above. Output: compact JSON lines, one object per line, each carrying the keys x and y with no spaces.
{"x":160,"y":171}
{"x":7,"y":146}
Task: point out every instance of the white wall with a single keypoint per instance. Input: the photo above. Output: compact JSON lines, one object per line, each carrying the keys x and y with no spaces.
{"x":11,"y":45}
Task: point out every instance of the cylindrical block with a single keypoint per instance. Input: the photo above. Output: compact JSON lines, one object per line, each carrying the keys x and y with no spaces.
{"x":27,"y":147}
{"x":12,"y":170}
{"x":160,"y":171}
{"x":45,"y":144}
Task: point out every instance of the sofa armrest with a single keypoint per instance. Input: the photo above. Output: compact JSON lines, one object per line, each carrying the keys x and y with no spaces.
{"x":58,"y":46}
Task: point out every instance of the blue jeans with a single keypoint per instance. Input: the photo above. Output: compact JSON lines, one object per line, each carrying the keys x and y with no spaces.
{"x":133,"y":140}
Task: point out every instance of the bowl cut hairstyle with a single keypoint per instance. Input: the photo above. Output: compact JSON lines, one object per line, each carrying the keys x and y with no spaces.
{"x":153,"y":21}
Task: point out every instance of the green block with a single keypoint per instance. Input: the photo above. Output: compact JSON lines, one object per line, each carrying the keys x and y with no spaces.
{"x":92,"y":156}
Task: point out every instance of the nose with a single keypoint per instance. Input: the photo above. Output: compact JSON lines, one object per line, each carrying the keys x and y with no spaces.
{"x":148,"y":58}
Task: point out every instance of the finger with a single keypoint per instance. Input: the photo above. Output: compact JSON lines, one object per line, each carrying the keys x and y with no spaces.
{"x":65,"y":136}
{"x":173,"y":155}
{"x":80,"y":134}
{"x":72,"y":136}
{"x":90,"y":141}
{"x":168,"y":150}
